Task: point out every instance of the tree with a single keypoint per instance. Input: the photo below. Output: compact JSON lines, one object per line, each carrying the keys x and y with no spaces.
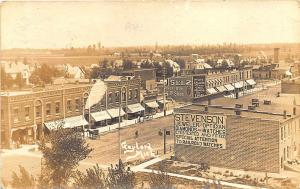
{"x":181,"y":62}
{"x":25,"y":180}
{"x":120,"y":178}
{"x":19,"y":81}
{"x":127,"y":64}
{"x":146,"y":64}
{"x":61,"y":155}
{"x":6,"y":80}
{"x":93,"y":179}
{"x":34,"y":78}
{"x":161,"y":179}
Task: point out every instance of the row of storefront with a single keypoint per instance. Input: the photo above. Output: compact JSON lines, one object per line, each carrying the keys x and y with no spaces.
{"x":110,"y":116}
{"x":229,"y":88}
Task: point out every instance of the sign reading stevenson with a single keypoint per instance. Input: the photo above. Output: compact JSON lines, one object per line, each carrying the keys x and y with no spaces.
{"x":203,"y":130}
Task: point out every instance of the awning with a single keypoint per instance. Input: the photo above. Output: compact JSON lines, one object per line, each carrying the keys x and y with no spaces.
{"x":212,"y":91}
{"x":133,"y":108}
{"x":251,"y":82}
{"x":229,"y":87}
{"x":221,"y":89}
{"x":100,"y":116}
{"x":114,"y":112}
{"x":69,"y":122}
{"x":238,"y":84}
{"x":162,"y":101}
{"x":152,"y":104}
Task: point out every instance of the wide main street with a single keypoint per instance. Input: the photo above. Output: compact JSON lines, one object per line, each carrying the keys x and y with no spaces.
{"x":106,"y":148}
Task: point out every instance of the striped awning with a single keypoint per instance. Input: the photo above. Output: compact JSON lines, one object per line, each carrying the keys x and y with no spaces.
{"x":221,"y":88}
{"x":212,"y":91}
{"x":229,"y":87}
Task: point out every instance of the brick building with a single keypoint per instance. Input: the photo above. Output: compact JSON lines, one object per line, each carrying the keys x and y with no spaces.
{"x":195,"y":86}
{"x":252,"y":140}
{"x":26,"y":115}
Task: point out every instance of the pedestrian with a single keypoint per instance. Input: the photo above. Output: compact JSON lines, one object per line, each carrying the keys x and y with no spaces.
{"x":136,"y":134}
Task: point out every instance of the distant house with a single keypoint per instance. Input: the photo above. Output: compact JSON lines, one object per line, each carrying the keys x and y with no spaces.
{"x":174,"y":65}
{"x":227,"y":61}
{"x":15,"y":68}
{"x":74,"y":72}
{"x":197,"y":64}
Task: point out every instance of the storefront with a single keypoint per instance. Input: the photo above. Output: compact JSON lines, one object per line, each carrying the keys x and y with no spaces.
{"x":221,"y":89}
{"x":100,"y":119}
{"x":23,"y":135}
{"x":151,"y":107}
{"x":115,"y":113}
{"x":67,"y":123}
{"x":251,"y":83}
{"x":230,"y":88}
{"x":135,"y":111}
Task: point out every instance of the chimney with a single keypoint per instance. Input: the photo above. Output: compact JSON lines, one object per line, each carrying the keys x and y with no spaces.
{"x":284,"y":114}
{"x":206,"y":108}
{"x":294,"y":111}
{"x":276,"y":55}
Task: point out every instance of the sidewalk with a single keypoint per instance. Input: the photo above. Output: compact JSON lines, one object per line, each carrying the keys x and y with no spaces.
{"x":126,"y":123}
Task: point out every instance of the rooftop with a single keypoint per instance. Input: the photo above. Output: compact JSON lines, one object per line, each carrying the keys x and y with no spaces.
{"x":273,"y":111}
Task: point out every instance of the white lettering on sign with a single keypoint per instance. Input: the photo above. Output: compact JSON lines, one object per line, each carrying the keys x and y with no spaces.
{"x":203,"y":130}
{"x":136,"y":151}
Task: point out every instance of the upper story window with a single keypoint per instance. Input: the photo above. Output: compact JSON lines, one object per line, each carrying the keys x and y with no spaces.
{"x":57,"y":107}
{"x":110,"y":97}
{"x":27,"y":110}
{"x":130,"y":95}
{"x":124,"y":95}
{"x":117,"y":96}
{"x":136,"y":93}
{"x":69,"y":105}
{"x":16,"y":115}
{"x":38,"y":110}
{"x":77,"y":104}
{"x":48,"y":109}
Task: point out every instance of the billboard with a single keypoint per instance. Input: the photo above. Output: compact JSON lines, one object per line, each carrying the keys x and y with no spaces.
{"x":199,"y":86}
{"x":179,"y":87}
{"x":204,"y":130}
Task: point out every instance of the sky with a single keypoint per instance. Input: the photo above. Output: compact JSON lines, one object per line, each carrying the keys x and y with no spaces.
{"x":60,"y":24}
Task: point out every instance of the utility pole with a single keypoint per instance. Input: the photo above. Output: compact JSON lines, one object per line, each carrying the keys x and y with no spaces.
{"x":165,"y":142}
{"x":164,"y":89}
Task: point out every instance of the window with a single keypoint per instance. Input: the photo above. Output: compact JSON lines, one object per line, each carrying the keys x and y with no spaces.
{"x":130,"y":95}
{"x":38,"y":110}
{"x":57,"y":107}
{"x":69,"y":105}
{"x":124,"y":95}
{"x":48,"y":109}
{"x":77,"y":104}
{"x":110,"y":97}
{"x":136,"y":93}
{"x":117,"y":95}
{"x":84,"y":100}
{"x":27,"y":110}
{"x":16,"y":115}
{"x":281,"y":133}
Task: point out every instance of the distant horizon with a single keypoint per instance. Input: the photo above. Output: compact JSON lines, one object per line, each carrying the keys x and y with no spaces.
{"x":164,"y":45}
{"x":59,"y":25}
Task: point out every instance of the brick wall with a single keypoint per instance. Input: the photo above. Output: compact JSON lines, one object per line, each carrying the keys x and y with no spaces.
{"x":251,"y":144}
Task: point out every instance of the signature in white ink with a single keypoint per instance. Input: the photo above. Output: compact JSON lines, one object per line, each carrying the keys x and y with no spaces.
{"x":137,"y":151}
